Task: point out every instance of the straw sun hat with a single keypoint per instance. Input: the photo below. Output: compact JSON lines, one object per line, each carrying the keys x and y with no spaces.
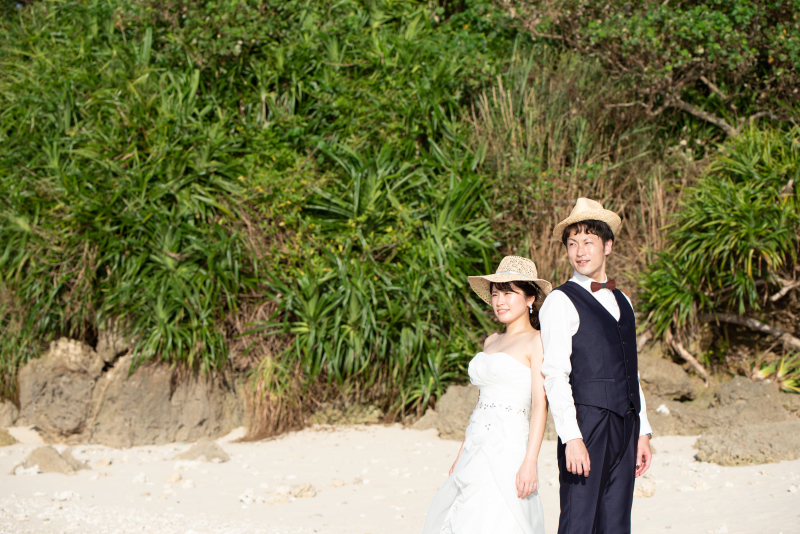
{"x":511,"y":269}
{"x":586,"y":209}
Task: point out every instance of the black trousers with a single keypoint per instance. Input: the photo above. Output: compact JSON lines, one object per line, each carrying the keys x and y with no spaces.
{"x":600,"y":503}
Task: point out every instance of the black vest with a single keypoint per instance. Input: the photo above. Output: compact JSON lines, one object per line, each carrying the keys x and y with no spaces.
{"x":604,"y":363}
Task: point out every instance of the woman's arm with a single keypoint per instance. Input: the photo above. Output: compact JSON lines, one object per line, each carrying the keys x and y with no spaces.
{"x":527,"y":477}
{"x":458,"y":457}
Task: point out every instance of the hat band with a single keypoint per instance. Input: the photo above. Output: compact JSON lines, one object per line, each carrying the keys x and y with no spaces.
{"x":513,"y":272}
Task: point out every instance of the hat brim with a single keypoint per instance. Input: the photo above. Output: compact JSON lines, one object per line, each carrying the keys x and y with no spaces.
{"x":609,"y":217}
{"x":481,"y":284}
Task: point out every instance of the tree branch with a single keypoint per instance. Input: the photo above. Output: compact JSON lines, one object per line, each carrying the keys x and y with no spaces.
{"x":788,"y":285}
{"x":704,"y":115}
{"x":788,"y":340}
{"x":686,"y":355}
{"x":711,"y":85}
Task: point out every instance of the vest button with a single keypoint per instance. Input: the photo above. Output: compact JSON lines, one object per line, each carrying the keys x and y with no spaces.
{"x":629,"y":376}
{"x":631,"y":394}
{"x":619,"y":326}
{"x":626,"y":361}
{"x":623,"y":343}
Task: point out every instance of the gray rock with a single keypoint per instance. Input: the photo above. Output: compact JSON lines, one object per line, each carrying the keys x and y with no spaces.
{"x":358,"y":414}
{"x":204,"y":449}
{"x":6,"y":438}
{"x":49,"y":461}
{"x":750,"y":444}
{"x":157,"y":405}
{"x":55,"y":390}
{"x":68,"y":394}
{"x":664,"y":378}
{"x":73,"y":462}
{"x":427,"y":421}
{"x":111,"y":344}
{"x":454,"y":409}
{"x":8,"y":413}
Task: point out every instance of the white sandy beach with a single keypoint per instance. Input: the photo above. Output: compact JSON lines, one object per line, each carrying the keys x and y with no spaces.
{"x":390,"y":474}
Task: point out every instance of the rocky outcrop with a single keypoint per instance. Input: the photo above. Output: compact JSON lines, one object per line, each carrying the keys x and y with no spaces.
{"x":452,"y":412}
{"x":6,"y":438}
{"x":205,"y":450}
{"x":664,"y":378}
{"x":737,"y":402}
{"x":750,"y":444}
{"x":48,"y":460}
{"x":55,"y":390}
{"x":357,"y":414}
{"x":8,"y":413}
{"x":154,"y":406}
{"x":77,"y":394}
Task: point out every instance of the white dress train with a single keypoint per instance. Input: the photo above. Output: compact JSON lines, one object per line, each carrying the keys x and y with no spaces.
{"x":480,"y":497}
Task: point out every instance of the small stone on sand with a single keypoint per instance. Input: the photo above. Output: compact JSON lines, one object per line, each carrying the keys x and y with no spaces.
{"x":174,"y":478}
{"x":338,"y":483}
{"x":644,"y":488}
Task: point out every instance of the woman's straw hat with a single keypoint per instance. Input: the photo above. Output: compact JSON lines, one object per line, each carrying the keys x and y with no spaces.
{"x":511,"y":269}
{"x":585,"y":210}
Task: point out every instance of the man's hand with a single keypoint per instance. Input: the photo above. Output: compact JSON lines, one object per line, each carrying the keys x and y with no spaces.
{"x":643,"y":455}
{"x":578,"y":457}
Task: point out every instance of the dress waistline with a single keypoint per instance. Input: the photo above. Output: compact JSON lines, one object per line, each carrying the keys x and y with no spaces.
{"x":504,"y":407}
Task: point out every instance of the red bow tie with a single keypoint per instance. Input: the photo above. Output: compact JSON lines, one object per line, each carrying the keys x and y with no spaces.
{"x":596,"y":286}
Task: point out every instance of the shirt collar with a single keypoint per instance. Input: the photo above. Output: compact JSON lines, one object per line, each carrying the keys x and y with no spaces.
{"x":584,"y":281}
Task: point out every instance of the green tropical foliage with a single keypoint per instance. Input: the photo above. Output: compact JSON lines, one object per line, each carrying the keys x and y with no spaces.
{"x":734,"y":234}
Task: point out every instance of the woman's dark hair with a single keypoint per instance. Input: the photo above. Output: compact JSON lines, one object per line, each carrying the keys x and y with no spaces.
{"x":598,"y":228}
{"x":529,"y":289}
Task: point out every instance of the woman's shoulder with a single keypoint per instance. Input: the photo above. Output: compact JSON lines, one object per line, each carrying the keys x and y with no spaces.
{"x":494,"y":336}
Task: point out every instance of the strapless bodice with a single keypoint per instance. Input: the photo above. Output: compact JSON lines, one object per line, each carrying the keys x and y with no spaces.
{"x":501,"y":379}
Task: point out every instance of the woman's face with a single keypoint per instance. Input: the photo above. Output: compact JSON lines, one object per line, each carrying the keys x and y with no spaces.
{"x":510,"y":304}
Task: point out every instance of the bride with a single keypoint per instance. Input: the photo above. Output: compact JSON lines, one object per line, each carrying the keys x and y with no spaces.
{"x":492,"y":487}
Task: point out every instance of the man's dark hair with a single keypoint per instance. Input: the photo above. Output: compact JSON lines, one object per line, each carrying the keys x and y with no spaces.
{"x":598,"y":228}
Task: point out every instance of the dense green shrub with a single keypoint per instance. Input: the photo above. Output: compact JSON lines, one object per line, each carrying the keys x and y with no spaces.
{"x":728,"y":58}
{"x":162,"y":164}
{"x":736,"y":231}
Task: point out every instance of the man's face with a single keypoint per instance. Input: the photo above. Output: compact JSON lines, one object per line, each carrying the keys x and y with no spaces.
{"x":587,"y":254}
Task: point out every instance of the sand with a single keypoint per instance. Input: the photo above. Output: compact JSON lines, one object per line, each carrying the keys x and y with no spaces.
{"x":365,"y":480}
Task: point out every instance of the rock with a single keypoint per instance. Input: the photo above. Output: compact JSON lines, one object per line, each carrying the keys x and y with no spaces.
{"x":74,"y":463}
{"x":111,"y":344}
{"x":744,"y":402}
{"x":55,"y":391}
{"x":48,"y":460}
{"x":157,"y":405}
{"x":357,"y":414}
{"x":20,"y":470}
{"x":303,"y":491}
{"x":338,"y":483}
{"x":103,"y":462}
{"x":664,"y":378}
{"x":454,"y":409}
{"x":6,"y":438}
{"x":750,"y":444}
{"x":204,"y":449}
{"x":174,"y":478}
{"x":66,"y":496}
{"x":8,"y":413}
{"x":643,"y":488}
{"x":427,"y":421}
{"x":248,"y":497}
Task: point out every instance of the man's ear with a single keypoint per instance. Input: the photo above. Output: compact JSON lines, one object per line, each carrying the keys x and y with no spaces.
{"x":609,"y":244}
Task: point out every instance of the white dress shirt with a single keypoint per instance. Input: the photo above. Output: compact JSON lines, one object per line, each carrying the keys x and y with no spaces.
{"x":560,"y":321}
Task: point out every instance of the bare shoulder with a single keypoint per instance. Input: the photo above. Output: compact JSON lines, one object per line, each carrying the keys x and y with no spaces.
{"x":491,"y":339}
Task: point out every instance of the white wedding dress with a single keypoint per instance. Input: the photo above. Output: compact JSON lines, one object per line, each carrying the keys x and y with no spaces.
{"x":480,"y":497}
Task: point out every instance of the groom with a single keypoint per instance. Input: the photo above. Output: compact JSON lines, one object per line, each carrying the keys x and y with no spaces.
{"x":591,"y":379}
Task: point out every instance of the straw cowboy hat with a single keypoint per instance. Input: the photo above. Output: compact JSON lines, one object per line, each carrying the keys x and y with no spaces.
{"x":511,"y":269}
{"x":585,"y":210}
